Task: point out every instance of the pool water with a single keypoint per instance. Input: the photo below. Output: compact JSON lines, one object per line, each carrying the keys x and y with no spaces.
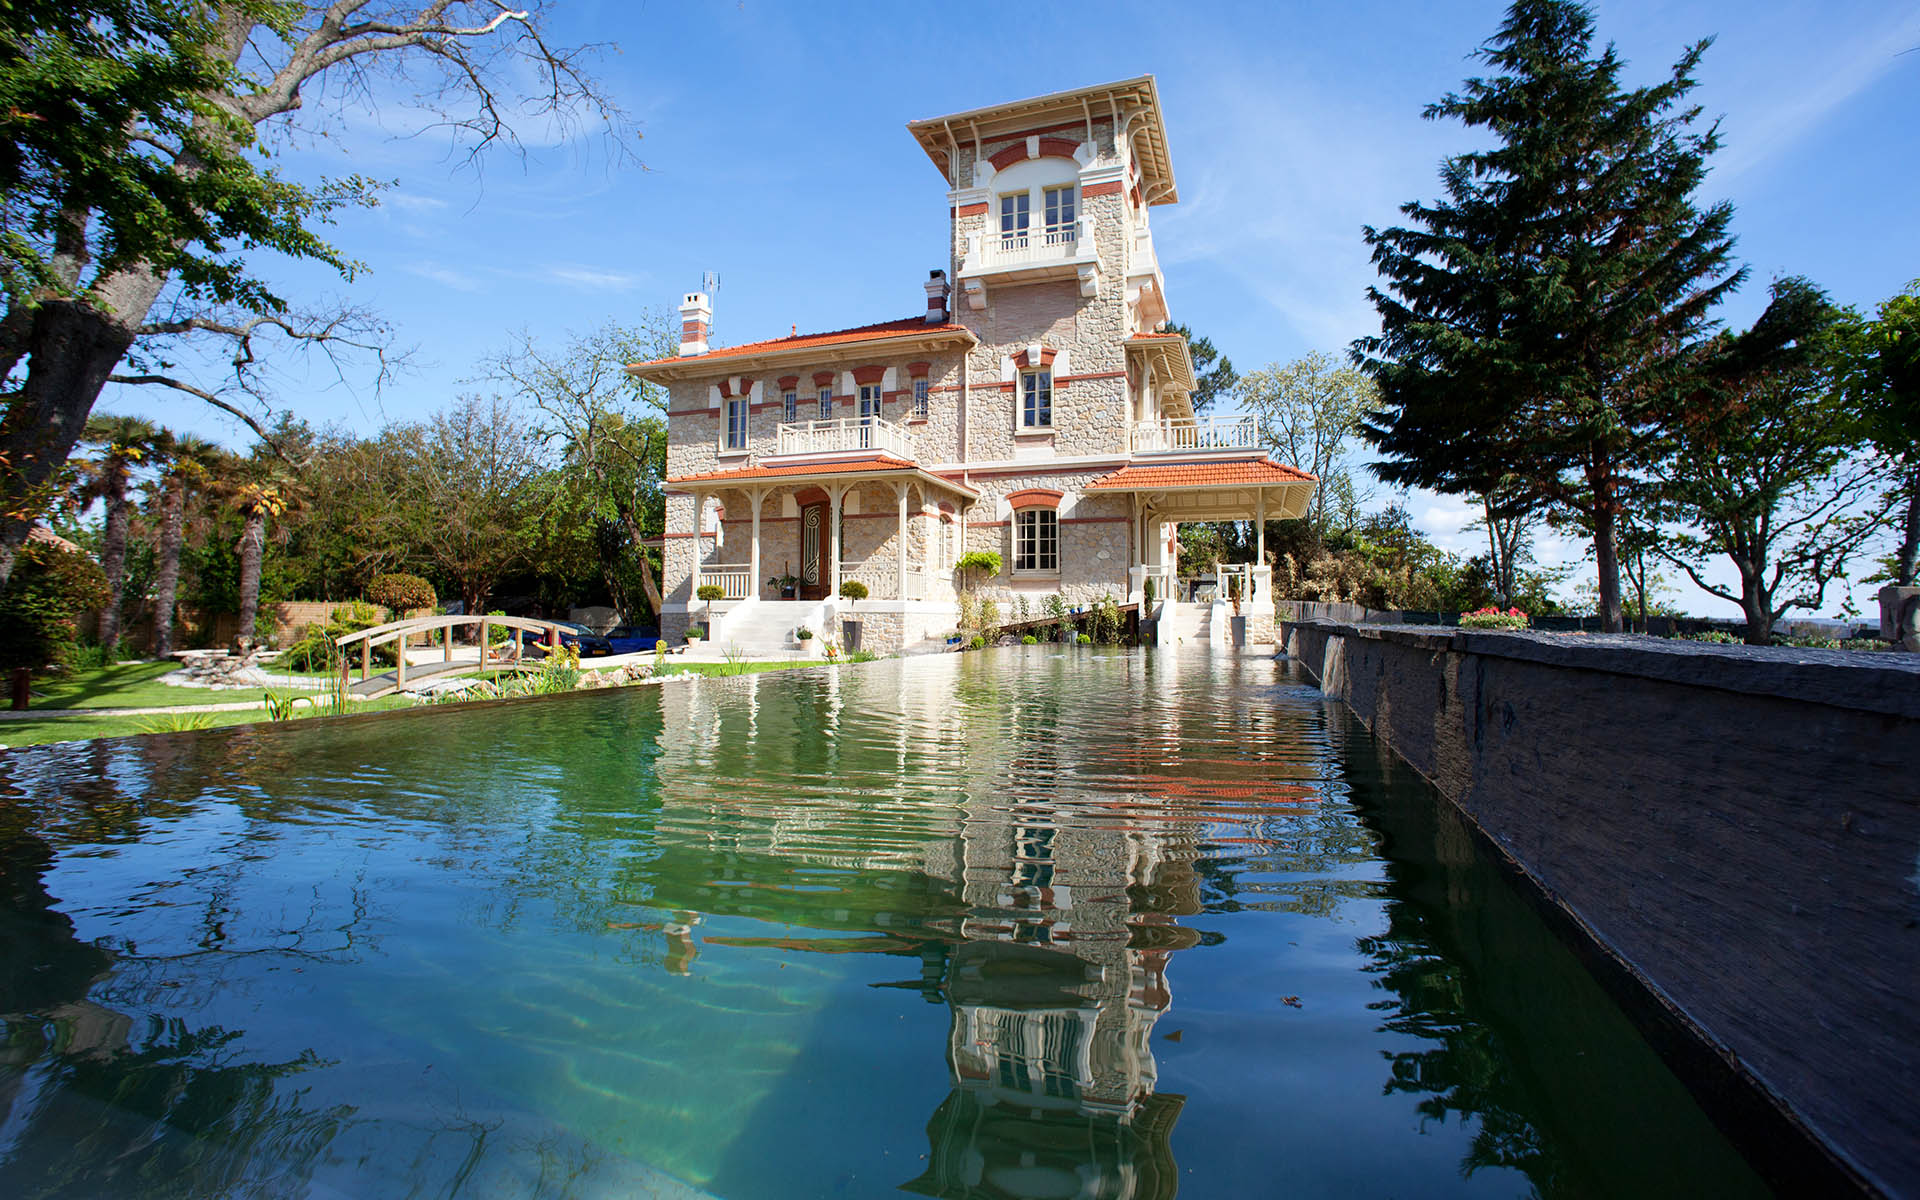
{"x":1038,"y":922}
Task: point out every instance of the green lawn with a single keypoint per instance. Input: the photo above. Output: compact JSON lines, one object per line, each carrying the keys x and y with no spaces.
{"x":122,"y":685}
{"x":32,"y":731}
{"x":739,"y":668}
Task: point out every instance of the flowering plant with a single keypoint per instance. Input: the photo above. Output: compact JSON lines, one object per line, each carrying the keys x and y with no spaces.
{"x":1491,"y":617}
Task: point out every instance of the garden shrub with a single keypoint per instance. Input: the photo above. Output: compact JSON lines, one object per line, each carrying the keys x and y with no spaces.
{"x":400,"y":593}
{"x":1086,"y":639}
{"x":711,"y":592}
{"x":1029,"y":640}
{"x":1106,"y":620}
{"x":978,"y":643}
{"x":315,"y":650}
{"x":984,"y":562}
{"x":854,"y":590}
{"x":49,"y":586}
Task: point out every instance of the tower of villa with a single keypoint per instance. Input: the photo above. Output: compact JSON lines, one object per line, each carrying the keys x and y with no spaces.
{"x":1036,"y":408}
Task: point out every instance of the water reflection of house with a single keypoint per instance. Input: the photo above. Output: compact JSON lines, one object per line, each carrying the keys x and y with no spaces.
{"x":1055,"y":990}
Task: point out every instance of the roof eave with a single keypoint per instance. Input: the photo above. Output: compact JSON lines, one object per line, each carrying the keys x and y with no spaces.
{"x":695,"y":366}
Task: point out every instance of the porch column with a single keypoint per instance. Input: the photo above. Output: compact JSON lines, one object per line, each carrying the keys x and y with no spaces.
{"x":900,"y":545}
{"x":699,"y":520}
{"x":759,"y":498}
{"x":834,"y":496}
{"x":1260,"y":527}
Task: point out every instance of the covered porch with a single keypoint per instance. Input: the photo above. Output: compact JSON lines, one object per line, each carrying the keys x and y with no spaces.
{"x":783,"y":539}
{"x":1165,"y":495}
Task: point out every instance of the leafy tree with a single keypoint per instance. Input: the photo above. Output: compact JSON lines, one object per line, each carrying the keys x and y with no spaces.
{"x":53,"y":582}
{"x":185,"y":466}
{"x":1883,"y":380}
{"x":1535,"y":321}
{"x":469,"y":492}
{"x":134,"y":175}
{"x":1312,"y":408}
{"x":611,"y":432}
{"x":1772,"y":481}
{"x":400,"y":592}
{"x":1508,"y":517}
{"x":125,"y":443}
{"x":1213,"y":373}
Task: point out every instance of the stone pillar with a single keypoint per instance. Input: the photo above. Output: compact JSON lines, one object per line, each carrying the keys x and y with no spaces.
{"x":900,"y":545}
{"x":759,"y":498}
{"x":834,"y":497}
{"x":699,"y":520}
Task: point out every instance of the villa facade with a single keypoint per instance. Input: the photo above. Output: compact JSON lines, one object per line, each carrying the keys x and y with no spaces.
{"x":1035,"y":409}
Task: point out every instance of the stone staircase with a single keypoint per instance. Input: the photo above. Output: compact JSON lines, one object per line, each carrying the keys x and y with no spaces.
{"x":1185,"y":623}
{"x":764,"y":628}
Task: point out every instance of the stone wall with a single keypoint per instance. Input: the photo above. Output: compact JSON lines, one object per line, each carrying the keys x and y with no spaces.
{"x":1729,"y":833}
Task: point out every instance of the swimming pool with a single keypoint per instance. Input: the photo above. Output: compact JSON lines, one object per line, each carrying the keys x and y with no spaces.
{"x":1034,"y":922}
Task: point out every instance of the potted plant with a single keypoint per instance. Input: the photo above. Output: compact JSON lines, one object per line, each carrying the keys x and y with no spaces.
{"x":787,"y":586}
{"x":711,"y":592}
{"x":854,"y":591}
{"x":804,"y":637}
{"x":693,"y":635}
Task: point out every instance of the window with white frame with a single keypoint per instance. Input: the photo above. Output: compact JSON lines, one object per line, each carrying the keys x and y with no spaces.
{"x":920,"y":399}
{"x":869,"y":401}
{"x":737,"y":423}
{"x":1061,"y":209}
{"x":1036,"y":399}
{"x":1036,"y":540}
{"x":790,"y":405}
{"x":1015,"y":210}
{"x":826,"y":404}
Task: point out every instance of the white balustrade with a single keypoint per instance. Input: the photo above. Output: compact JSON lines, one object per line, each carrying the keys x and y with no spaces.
{"x":992,"y":250}
{"x":735,"y":579}
{"x":843,"y":434}
{"x":1165,"y":582}
{"x":923,"y":583}
{"x":1202,"y":433}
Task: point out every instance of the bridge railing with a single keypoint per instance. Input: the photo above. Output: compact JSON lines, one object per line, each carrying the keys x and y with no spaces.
{"x":401,"y":630}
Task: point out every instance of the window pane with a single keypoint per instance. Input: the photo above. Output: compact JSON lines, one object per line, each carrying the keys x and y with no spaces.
{"x":826,"y":404}
{"x":790,"y":406}
{"x":920,"y":399}
{"x":1036,"y":399}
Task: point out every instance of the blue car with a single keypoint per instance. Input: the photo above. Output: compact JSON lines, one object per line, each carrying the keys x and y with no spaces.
{"x":631,"y":639}
{"x":586,"y":641}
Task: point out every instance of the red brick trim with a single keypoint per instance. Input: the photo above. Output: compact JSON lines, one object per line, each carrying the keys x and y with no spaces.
{"x":823,"y":379}
{"x":896,"y":394}
{"x":703,"y":411}
{"x":1035,"y":498}
{"x":868,"y":374}
{"x":1046,"y":358}
{"x":1109,"y":188}
{"x":970,"y":210}
{"x":788,"y":381}
{"x":1050,"y":147}
{"x":1094,"y":520}
{"x":688,"y":535}
{"x":812,"y":495}
{"x":918,"y":370}
{"x":1060,"y":379}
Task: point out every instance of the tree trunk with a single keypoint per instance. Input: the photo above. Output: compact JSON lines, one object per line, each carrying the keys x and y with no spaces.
{"x":113,"y":556}
{"x":1607,"y":563}
{"x":173,"y":507}
{"x":253,"y":544}
{"x":1904,"y":565}
{"x":74,"y":347}
{"x":1757,"y":607}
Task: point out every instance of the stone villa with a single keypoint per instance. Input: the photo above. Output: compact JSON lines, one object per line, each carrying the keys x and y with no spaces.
{"x":1035,"y":409}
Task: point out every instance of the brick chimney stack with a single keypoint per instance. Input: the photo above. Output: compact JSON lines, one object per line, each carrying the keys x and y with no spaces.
{"x":696,"y":323}
{"x":936,"y":297}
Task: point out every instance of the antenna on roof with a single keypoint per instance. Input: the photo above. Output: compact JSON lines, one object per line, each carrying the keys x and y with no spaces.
{"x":710,"y":282}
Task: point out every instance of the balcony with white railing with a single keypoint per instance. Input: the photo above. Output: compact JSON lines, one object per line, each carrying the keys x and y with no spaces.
{"x":1199,"y":433}
{"x":1038,"y":251}
{"x":845,"y":435}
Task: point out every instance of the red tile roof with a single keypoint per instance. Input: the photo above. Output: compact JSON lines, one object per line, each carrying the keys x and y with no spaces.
{"x":805,"y":341}
{"x":1154,"y":337}
{"x":1241,"y":472}
{"x":875,"y":462}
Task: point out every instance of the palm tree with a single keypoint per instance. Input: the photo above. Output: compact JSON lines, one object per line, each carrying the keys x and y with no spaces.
{"x":256,"y":489}
{"x":125,"y":443}
{"x":186,"y":465}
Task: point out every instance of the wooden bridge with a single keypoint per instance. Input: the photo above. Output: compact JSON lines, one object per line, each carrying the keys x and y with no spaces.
{"x":372,"y":686}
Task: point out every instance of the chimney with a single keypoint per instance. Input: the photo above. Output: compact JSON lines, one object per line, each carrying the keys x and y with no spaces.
{"x":936,"y":297}
{"x":696,"y":323}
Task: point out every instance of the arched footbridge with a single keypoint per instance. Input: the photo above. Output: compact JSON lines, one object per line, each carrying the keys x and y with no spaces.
{"x":506,"y":657}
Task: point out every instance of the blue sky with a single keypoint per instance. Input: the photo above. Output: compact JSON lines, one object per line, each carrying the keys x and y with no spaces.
{"x":775,"y":155}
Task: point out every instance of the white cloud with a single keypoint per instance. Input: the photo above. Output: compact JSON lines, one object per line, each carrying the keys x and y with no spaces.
{"x":592,"y":277}
{"x":414,"y":202}
{"x":445,"y":276}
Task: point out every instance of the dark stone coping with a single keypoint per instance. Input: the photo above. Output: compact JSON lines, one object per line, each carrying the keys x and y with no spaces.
{"x":1884,"y":682}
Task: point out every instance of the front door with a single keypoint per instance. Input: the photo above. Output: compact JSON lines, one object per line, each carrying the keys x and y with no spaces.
{"x":813,"y":552}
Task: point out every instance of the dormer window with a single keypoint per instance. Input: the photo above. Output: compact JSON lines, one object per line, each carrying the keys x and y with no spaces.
{"x":1036,"y":399}
{"x":1062,"y":208}
{"x":1015,"y":210}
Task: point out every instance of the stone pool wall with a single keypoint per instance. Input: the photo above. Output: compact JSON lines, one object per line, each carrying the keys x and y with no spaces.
{"x":1732,"y":834}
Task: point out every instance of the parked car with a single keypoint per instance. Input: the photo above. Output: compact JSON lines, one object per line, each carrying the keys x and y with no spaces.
{"x":632,"y":639}
{"x":582,"y":639}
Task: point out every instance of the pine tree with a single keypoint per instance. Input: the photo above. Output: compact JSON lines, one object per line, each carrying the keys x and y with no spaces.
{"x":1536,"y":322}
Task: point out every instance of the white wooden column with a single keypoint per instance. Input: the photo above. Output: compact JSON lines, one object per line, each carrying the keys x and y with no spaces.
{"x":835,"y":495}
{"x":900,"y":545}
{"x":1260,"y":528}
{"x":699,"y":531}
{"x":758,"y":497}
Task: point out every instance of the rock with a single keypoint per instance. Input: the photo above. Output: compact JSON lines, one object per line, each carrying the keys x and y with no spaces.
{"x":1900,"y":616}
